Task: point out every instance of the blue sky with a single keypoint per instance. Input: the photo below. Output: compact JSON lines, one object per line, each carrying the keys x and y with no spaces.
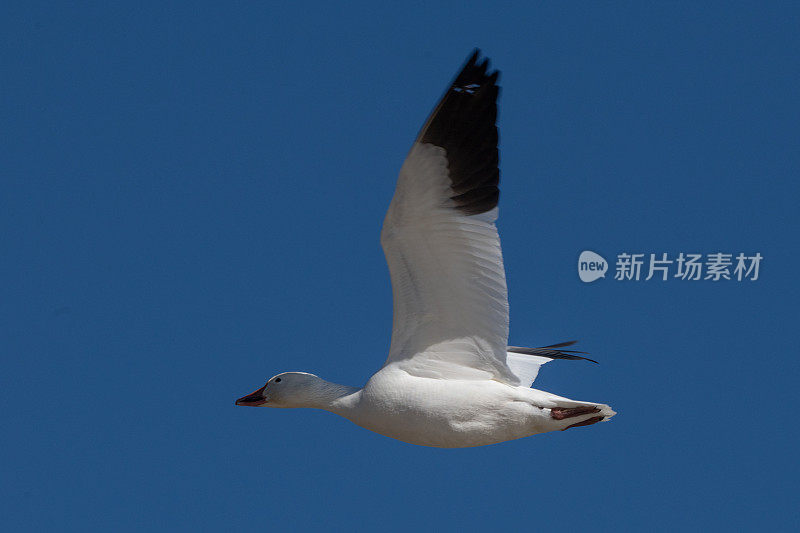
{"x":191,"y":200}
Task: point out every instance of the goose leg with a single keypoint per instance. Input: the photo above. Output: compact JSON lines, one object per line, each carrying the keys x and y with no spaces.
{"x":587,"y":422}
{"x":560,"y":413}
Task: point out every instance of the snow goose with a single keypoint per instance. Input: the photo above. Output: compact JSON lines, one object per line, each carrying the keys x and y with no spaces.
{"x":449,"y":381}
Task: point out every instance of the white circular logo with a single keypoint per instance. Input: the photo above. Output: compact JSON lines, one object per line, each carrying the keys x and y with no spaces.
{"x":591,"y":266}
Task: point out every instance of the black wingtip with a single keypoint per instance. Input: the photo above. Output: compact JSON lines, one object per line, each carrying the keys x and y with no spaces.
{"x":476,"y":69}
{"x":464,"y":124}
{"x":561,"y":344}
{"x":553,"y":352}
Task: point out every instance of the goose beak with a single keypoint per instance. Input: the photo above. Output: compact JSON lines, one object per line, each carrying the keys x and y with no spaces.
{"x":253,"y":399}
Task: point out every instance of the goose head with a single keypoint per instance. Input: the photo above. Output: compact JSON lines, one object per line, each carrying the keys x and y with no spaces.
{"x":290,"y":389}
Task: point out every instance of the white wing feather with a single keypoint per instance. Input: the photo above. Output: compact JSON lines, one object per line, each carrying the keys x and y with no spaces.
{"x":448,"y":282}
{"x":525,"y":367}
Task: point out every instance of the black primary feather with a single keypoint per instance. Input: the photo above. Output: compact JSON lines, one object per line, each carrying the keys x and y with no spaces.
{"x":548,"y":351}
{"x":464,"y":124}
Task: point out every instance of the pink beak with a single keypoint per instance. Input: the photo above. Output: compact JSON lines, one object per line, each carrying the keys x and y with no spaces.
{"x":253,"y":399}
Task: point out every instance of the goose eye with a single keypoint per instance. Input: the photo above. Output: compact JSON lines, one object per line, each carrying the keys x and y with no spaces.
{"x":277,"y":380}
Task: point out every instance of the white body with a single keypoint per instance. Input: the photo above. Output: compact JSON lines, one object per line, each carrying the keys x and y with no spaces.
{"x":452,"y":413}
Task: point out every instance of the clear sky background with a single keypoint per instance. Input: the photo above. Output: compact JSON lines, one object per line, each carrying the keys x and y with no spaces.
{"x":191,"y":200}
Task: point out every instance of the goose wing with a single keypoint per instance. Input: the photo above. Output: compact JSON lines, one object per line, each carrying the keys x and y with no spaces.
{"x":441,"y":244}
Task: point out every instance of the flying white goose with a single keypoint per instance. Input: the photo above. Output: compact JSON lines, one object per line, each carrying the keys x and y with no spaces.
{"x":450,"y":381}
